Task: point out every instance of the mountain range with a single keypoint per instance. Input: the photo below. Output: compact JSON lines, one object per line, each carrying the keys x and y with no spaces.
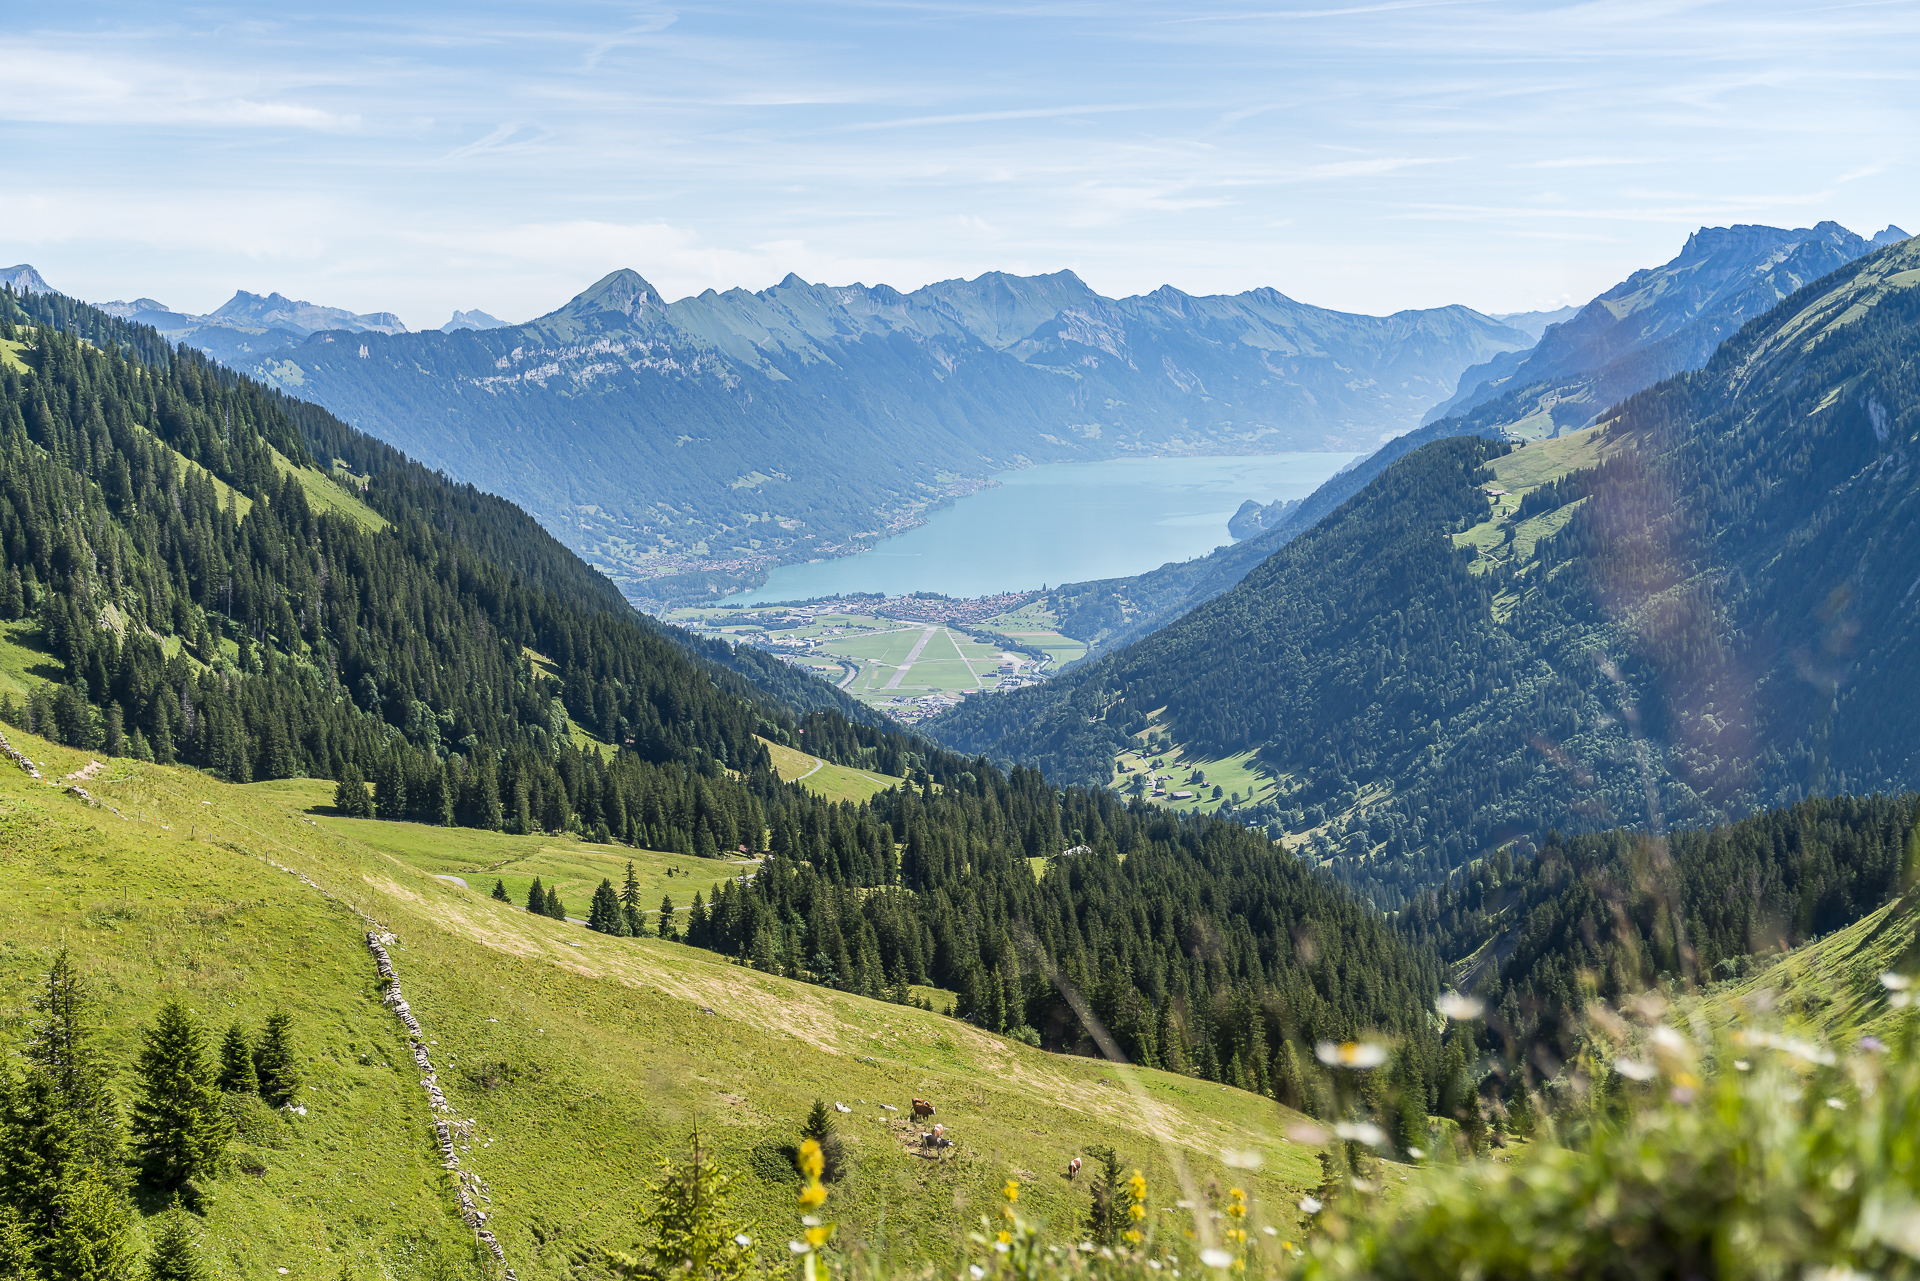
{"x":1700,"y":606}
{"x":1656,"y":322}
{"x":688,"y":446}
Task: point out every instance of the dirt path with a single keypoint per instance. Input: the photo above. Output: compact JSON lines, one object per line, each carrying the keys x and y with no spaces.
{"x":913,"y":656}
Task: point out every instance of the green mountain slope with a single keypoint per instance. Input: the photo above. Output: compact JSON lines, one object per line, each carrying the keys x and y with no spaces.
{"x":478,"y":675}
{"x":1654,"y":324}
{"x":1713,"y":619}
{"x":582,"y":1059}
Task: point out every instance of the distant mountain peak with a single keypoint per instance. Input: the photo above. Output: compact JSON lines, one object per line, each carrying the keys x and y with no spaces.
{"x":22,"y":278}
{"x":475,"y":319}
{"x":625,"y":291}
{"x":1891,"y":236}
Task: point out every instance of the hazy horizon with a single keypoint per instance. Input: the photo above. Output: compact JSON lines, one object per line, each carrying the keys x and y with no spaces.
{"x":1372,"y":157}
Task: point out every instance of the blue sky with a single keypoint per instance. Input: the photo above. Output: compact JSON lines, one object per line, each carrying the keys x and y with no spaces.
{"x":1368,"y":156}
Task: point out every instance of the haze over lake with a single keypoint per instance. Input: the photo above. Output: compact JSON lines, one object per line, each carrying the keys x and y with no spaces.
{"x":1062,"y":523}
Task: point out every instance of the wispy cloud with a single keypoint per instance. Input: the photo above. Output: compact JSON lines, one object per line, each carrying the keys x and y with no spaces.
{"x":1368,"y":155}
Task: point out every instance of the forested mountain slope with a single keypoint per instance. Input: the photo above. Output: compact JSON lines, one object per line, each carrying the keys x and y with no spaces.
{"x":1613,"y":913}
{"x":197,"y":607}
{"x":1712,"y":614}
{"x":1652,"y":325}
{"x":680,"y":445}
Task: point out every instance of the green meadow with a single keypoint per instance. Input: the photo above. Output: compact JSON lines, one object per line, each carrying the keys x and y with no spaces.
{"x":584,"y":1060}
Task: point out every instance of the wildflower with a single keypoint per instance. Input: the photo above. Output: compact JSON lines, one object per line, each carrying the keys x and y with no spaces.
{"x":1460,"y":1008}
{"x":1895,"y":982}
{"x":1635,"y":1070}
{"x":976,"y":1271}
{"x":1309,"y":1205}
{"x":1361,"y":1132}
{"x":742,"y":1240}
{"x":1355,"y":1055}
{"x":1216,"y":1258}
{"x":812,"y":1196}
{"x":1873,"y":1045}
{"x":1011,"y":1191}
{"x":812,"y":1163}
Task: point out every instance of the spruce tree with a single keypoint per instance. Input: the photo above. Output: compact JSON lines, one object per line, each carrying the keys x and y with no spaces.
{"x":554,"y":907}
{"x":630,"y":904}
{"x":174,"y":1256}
{"x":537,"y":898}
{"x":500,"y":892}
{"x":694,"y":1233}
{"x":60,"y":1047}
{"x":236,"y":1063}
{"x":820,"y":1128}
{"x":697,"y":922}
{"x":273,"y":1061}
{"x":61,"y":1168}
{"x":666,"y":917}
{"x":350,"y":795}
{"x":604,"y":913}
{"x":1107,"y":1215}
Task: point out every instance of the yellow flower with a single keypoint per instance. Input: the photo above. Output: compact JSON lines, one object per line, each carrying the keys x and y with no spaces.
{"x":817,"y":1237}
{"x":812,"y":1164}
{"x":1006,"y":1238}
{"x":1012,"y":1190}
{"x":813,"y":1196}
{"x":1137,"y":1186}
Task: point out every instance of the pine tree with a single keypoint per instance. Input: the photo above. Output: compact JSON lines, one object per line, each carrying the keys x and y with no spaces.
{"x":175,"y":1257}
{"x":236,"y":1063}
{"x":390,"y":786}
{"x":697,"y":922}
{"x":180,"y":1129}
{"x":536,"y":898}
{"x":604,"y":913}
{"x":630,"y":907}
{"x":666,"y":917}
{"x":500,"y":892}
{"x":59,"y":1047}
{"x":820,"y":1128}
{"x":93,"y":1239}
{"x":1107,"y":1215}
{"x":1521,"y":1114}
{"x":273,"y":1061}
{"x":1289,"y":1078}
{"x":350,"y":795}
{"x":694,"y":1233}
{"x":554,"y":907}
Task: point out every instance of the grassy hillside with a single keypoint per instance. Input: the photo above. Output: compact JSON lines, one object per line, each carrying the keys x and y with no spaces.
{"x":583,"y":1058}
{"x":834,"y":782}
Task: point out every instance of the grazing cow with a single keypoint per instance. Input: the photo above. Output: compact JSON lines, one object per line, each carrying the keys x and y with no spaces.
{"x":1073,"y":1167}
{"x":922,"y":1108}
{"x":936,"y":1138}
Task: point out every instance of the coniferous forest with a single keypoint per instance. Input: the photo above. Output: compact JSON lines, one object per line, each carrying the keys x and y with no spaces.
{"x":439,"y":655}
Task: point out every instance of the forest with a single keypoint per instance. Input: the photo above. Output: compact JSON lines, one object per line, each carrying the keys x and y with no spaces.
{"x":468,"y":671}
{"x":1721,"y":623}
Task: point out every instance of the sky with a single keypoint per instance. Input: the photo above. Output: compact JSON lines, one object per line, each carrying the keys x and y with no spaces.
{"x":1371,"y":157}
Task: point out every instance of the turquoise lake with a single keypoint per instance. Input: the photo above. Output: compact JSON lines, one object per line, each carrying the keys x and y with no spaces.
{"x":1062,"y":523}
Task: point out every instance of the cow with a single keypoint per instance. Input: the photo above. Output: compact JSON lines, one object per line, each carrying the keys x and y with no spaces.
{"x":1073,"y":1167}
{"x":922,"y":1108}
